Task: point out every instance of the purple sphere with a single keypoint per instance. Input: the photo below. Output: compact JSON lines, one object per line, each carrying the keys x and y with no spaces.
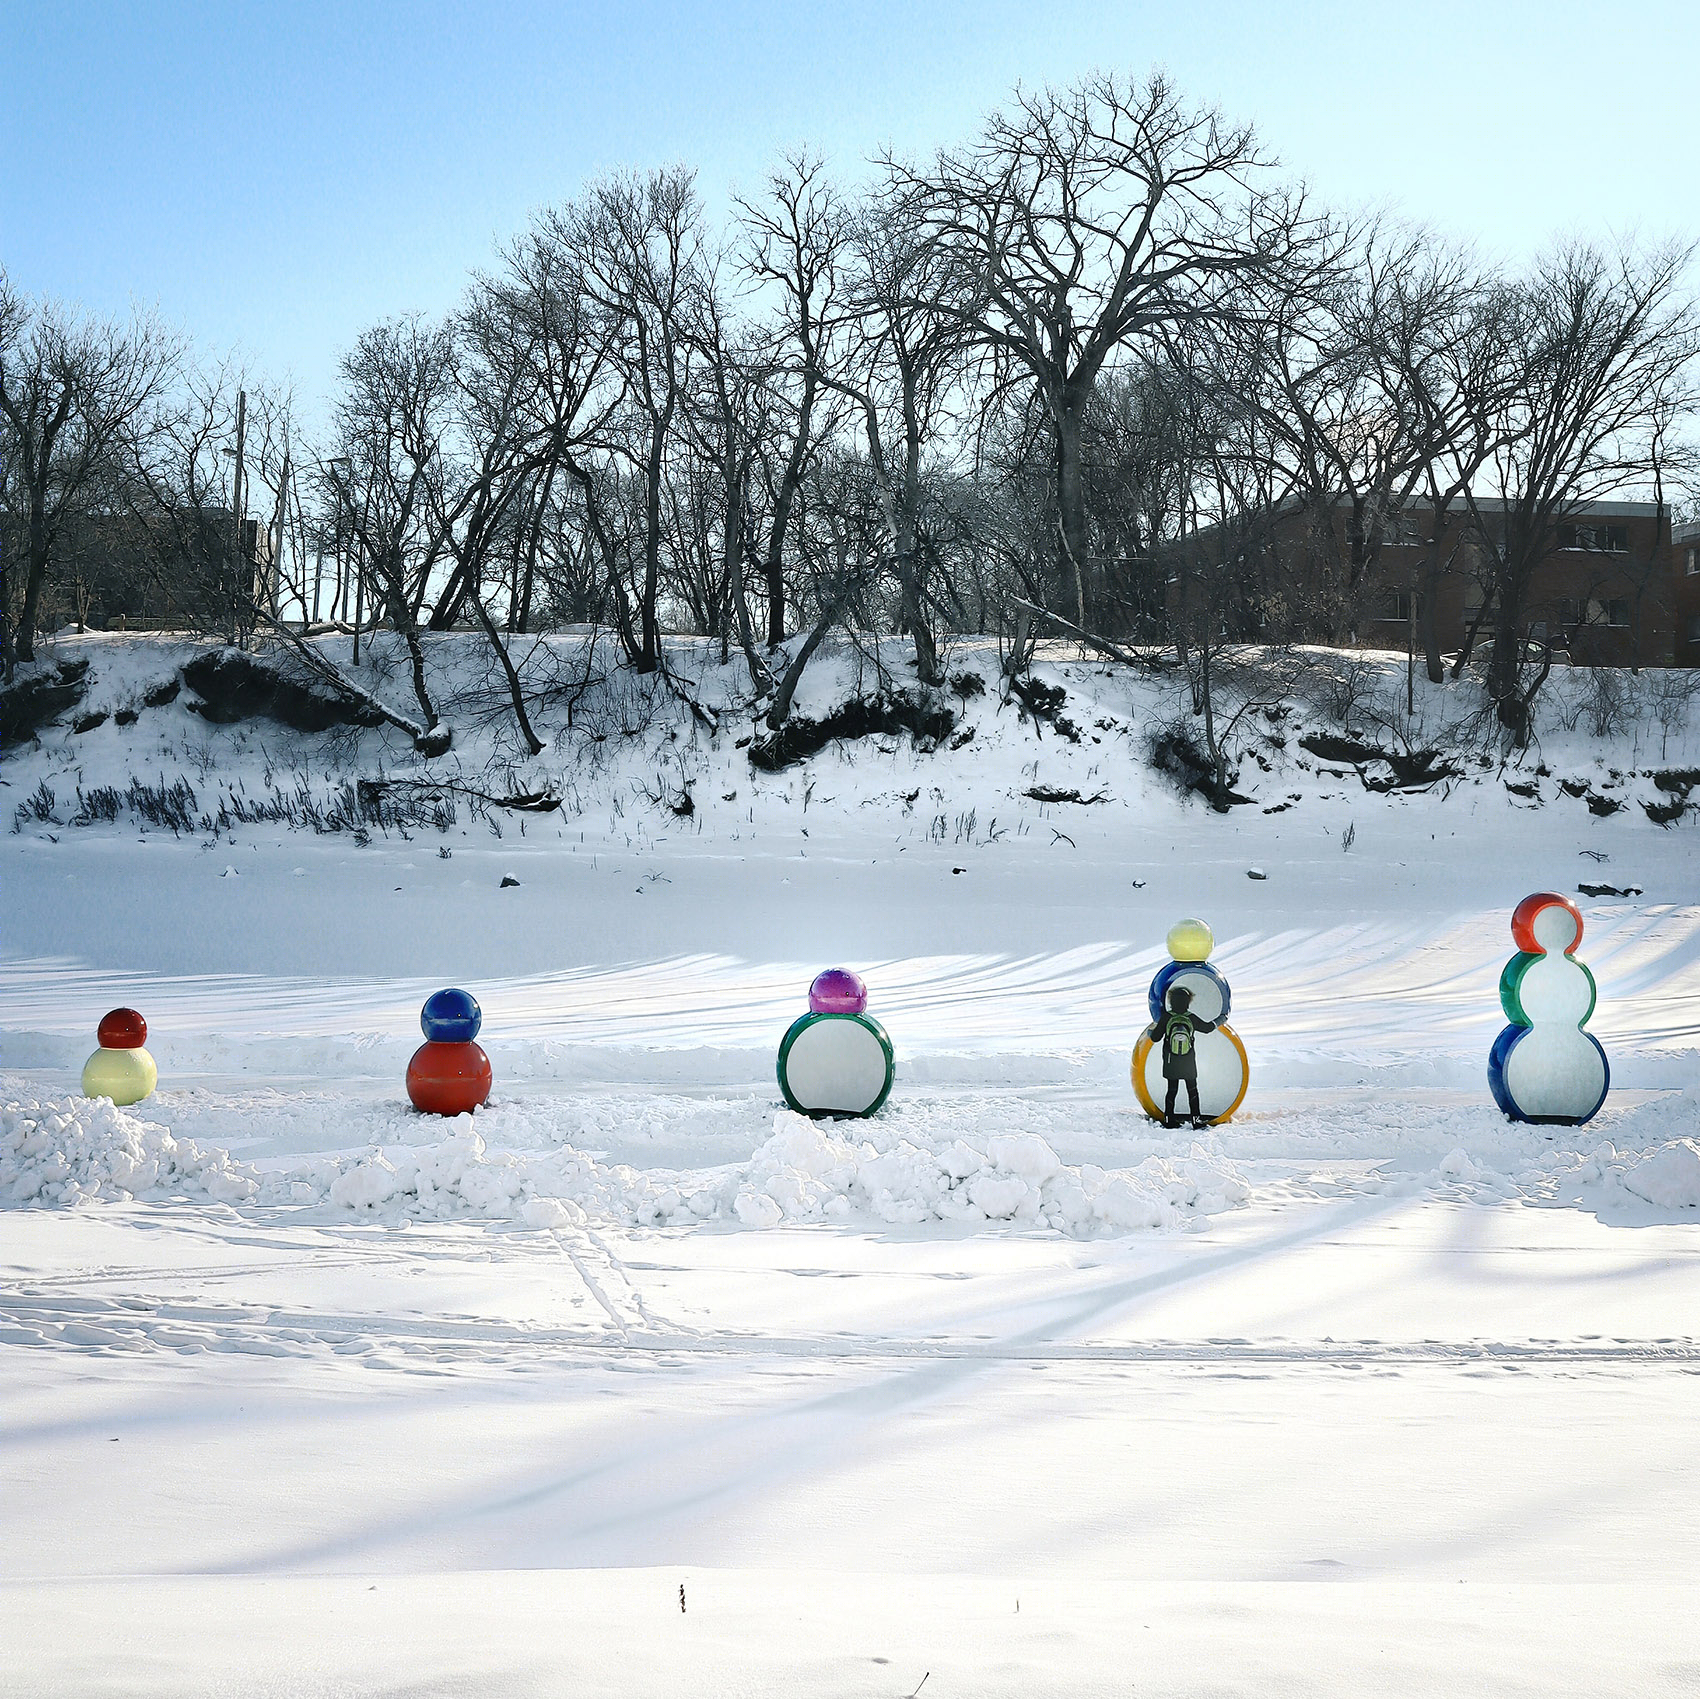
{"x":837,"y":992}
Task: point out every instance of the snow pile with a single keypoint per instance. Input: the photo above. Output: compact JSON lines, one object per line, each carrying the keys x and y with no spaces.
{"x":80,"y":1150}
{"x":456,"y":1177}
{"x":1668,"y":1177}
{"x":806,"y":1171}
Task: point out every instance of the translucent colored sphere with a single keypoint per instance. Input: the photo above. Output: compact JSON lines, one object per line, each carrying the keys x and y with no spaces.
{"x":126,"y":1076}
{"x":448,"y":1079}
{"x":1546,"y":923}
{"x":122,"y":1029}
{"x":837,"y":992}
{"x":1190,"y":941}
{"x":451,"y":1017}
{"x":1207,"y":990}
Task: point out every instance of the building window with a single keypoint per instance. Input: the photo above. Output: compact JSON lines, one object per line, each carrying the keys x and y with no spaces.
{"x":1617,"y":611}
{"x":1402,"y":605}
{"x":1694,"y":628}
{"x":1694,"y":563}
{"x":1607,"y":539}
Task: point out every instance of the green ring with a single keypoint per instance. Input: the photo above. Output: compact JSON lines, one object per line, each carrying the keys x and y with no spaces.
{"x":1511,"y":987}
{"x":799,"y":1026}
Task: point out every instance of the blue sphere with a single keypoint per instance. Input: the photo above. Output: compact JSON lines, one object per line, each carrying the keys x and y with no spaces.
{"x":451,"y":1017}
{"x":1197,"y":973}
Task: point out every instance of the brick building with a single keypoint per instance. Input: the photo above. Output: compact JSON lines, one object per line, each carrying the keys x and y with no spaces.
{"x":1616,"y":589}
{"x":1685,"y":593}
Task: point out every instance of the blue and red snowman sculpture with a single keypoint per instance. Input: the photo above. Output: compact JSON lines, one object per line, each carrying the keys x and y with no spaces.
{"x":449,"y":1073}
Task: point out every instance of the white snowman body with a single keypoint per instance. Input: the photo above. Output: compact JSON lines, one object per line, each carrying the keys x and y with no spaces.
{"x":1221,"y":1075}
{"x":837,"y":1066}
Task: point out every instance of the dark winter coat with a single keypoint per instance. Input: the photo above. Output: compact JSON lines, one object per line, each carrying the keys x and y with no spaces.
{"x":1175,"y":1037}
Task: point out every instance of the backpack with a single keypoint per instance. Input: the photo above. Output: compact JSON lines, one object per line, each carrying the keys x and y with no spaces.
{"x":1177,"y":1039}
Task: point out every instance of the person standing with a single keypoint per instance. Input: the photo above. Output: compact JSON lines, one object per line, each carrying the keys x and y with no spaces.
{"x":1175,"y":1037}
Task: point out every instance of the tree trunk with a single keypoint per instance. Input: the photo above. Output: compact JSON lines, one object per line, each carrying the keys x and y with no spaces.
{"x":1073,"y":566}
{"x":649,"y":649}
{"x":1429,"y":621}
{"x":783,"y":503}
{"x":438,"y":737}
{"x":35,"y":572}
{"x":1503,"y":660}
{"x":781,"y":707}
{"x":1209,"y":705}
{"x":911,"y":575}
{"x":516,"y":693}
{"x":760,"y":680}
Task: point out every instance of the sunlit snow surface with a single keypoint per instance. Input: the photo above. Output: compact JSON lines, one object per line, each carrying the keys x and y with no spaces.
{"x":1006,"y":1387}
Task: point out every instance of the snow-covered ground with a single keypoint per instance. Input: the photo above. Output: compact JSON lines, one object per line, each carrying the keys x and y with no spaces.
{"x":636,"y":1382}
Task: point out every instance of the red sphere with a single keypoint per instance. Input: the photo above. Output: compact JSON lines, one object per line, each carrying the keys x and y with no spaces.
{"x":1531,"y":908}
{"x":448,"y":1079}
{"x":123,"y":1029}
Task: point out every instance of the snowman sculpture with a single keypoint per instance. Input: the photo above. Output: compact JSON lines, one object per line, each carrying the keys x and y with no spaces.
{"x":1224,"y":1070}
{"x":121,"y":1069}
{"x":836,"y":1059}
{"x":449,"y":1073}
{"x":1544,"y":1066}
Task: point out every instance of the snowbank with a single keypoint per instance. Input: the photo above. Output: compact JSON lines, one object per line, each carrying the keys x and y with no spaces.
{"x":1669,"y":1177}
{"x":83,"y":1150}
{"x":807,"y":1171}
{"x":73,"y":1151}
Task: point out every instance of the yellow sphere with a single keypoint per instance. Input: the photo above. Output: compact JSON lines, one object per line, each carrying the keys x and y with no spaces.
{"x":1191,"y":941}
{"x":126,"y":1076}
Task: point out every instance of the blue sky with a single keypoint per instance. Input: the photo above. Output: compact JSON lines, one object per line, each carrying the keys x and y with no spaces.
{"x":274,"y":178}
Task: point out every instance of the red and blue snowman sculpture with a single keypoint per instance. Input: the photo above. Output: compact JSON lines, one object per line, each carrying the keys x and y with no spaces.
{"x":449,"y":1073}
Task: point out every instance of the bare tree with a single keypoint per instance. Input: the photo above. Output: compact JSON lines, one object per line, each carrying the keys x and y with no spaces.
{"x":841,"y":545}
{"x":729,"y":410}
{"x":542,"y":316}
{"x":910,"y":325}
{"x":1350,"y":441}
{"x":1605,"y":345}
{"x":69,"y":388}
{"x":637,"y":242}
{"x":795,"y":237}
{"x":1087,"y":219}
{"x":1448,"y":346}
{"x":180,"y":487}
{"x":390,"y":422}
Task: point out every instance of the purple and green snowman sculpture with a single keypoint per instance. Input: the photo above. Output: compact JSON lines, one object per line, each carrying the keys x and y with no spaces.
{"x":836,"y":1059}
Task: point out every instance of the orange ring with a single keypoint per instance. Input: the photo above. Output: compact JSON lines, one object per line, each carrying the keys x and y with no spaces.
{"x":1143,"y":1049}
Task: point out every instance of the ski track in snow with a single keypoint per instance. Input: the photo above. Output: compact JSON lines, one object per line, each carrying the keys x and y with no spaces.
{"x":119,"y":1325}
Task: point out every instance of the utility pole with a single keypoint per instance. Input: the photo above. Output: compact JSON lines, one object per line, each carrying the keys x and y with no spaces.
{"x":318,"y":555}
{"x":275,"y":564}
{"x":1411,"y":652}
{"x":236,"y":511}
